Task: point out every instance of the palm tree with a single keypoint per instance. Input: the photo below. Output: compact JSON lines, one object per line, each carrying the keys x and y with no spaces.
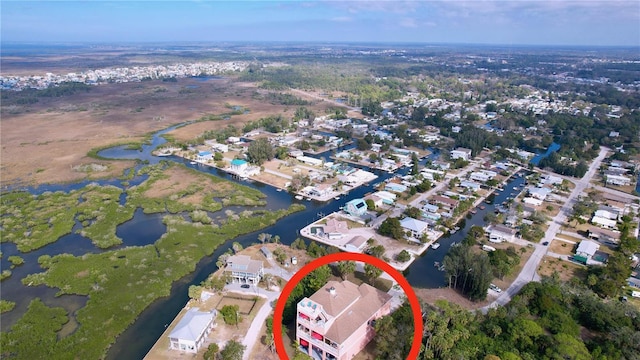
{"x":268,"y":278}
{"x":263,"y":237}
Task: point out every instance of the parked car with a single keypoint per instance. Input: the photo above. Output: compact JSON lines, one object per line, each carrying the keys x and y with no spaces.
{"x":294,"y":260}
{"x":545,"y":243}
{"x":245,"y":286}
{"x":495,"y":288}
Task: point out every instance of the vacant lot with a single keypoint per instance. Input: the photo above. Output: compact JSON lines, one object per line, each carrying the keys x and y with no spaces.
{"x":565,"y":269}
{"x":48,"y":142}
{"x":245,"y":304}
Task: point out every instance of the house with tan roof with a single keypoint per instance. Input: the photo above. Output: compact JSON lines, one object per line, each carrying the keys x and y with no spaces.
{"x":337,"y":321}
{"x":243,"y":269}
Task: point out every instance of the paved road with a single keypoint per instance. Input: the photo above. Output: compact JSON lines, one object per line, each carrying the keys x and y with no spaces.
{"x":528,"y":272}
{"x":399,"y":208}
{"x":616,"y":192}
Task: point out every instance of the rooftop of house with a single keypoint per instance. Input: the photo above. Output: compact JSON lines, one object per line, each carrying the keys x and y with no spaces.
{"x":350,"y":304}
{"x":243,"y":263}
{"x":192,"y":324}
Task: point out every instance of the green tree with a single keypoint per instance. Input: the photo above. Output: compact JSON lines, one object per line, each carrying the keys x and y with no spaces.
{"x":194,"y":292}
{"x":230,"y":314}
{"x":259,"y":151}
{"x":372,"y":272}
{"x":317,"y":278}
{"x":391,"y":227}
{"x":345,"y":268}
{"x":415,"y":162}
{"x":233,"y":350}
{"x":211,"y":352}
{"x":403,"y":256}
{"x":371,"y":205}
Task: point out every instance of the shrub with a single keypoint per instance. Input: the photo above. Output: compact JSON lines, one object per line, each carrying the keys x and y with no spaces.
{"x":230,"y":314}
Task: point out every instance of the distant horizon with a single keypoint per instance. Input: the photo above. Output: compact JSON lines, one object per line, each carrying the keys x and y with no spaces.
{"x":310,"y":43}
{"x":590,"y":23}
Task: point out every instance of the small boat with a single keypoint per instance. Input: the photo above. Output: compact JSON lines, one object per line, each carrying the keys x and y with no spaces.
{"x":481,"y":207}
{"x":436,"y":264}
{"x":278,"y":189}
{"x":453,"y":231}
{"x":193,"y":163}
{"x":434,"y":246}
{"x":299,"y":197}
{"x":308,"y":199}
{"x":337,"y":198}
{"x":473,"y":211}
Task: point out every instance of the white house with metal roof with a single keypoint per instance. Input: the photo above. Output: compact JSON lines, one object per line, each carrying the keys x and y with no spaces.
{"x":585,"y":251}
{"x":190,"y":333}
{"x":416,"y":227}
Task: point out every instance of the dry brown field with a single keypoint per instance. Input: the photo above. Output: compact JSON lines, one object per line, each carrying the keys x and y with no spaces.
{"x":48,"y":142}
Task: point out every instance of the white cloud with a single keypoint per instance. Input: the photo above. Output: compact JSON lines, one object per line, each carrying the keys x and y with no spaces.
{"x":408,"y":23}
{"x":342,"y":19}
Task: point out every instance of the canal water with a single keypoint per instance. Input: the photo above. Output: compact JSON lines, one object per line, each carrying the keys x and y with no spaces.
{"x":144,"y":229}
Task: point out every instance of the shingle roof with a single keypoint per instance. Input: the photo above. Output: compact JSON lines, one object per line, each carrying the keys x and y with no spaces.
{"x":352,"y":306}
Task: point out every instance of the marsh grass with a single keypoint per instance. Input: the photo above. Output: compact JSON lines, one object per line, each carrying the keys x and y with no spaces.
{"x":119,"y":283}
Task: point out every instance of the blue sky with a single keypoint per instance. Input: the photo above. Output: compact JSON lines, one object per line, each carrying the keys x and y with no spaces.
{"x":540,"y":22}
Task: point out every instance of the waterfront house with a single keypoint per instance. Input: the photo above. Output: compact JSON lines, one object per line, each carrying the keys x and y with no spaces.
{"x":204,"y":156}
{"x":239,"y":165}
{"x":337,"y":321}
{"x":387,"y":197}
{"x":447,"y":203}
{"x":356,"y":207}
{"x":538,"y":193}
{"x":243,"y":269}
{"x":460,"y":153}
{"x":500,"y":233}
{"x":321,"y":190}
{"x":393,"y":187}
{"x":190,"y":333}
{"x":414,"y":226}
{"x":377,"y":201}
{"x":335,"y":229}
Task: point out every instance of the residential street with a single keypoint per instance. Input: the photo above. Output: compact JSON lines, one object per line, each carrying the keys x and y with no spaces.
{"x":528,"y":272}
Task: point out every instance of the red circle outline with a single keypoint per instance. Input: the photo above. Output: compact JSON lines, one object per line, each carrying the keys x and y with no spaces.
{"x":348,"y":256}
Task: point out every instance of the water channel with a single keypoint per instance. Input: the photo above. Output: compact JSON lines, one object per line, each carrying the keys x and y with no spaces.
{"x":144,"y":229}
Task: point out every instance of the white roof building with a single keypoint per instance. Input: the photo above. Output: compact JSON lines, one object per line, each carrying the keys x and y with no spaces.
{"x":604,"y":222}
{"x":606,"y":214}
{"x":460,"y":153}
{"x":532,"y":201}
{"x":416,"y":227}
{"x":586,"y":249}
{"x":190,"y":333}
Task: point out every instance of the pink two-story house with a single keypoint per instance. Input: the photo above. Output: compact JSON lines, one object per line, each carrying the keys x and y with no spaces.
{"x":337,"y":321}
